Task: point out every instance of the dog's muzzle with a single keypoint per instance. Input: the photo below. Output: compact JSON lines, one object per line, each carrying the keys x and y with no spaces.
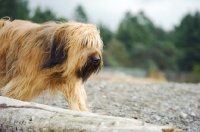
{"x":95,"y":59}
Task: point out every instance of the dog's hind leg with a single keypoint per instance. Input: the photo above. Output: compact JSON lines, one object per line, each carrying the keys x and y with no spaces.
{"x":21,"y":89}
{"x":2,"y":67}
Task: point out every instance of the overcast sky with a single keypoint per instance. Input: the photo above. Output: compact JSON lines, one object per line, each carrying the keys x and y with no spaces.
{"x":163,"y":13}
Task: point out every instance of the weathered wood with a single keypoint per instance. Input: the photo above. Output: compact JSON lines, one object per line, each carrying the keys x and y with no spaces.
{"x":20,"y":116}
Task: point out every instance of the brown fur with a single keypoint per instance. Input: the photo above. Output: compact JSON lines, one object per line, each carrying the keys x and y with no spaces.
{"x":52,"y":56}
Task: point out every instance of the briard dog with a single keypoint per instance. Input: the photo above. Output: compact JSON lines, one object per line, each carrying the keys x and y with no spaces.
{"x":50,"y":56}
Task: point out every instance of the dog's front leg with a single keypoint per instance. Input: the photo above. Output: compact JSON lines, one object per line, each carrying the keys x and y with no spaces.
{"x":76,"y":96}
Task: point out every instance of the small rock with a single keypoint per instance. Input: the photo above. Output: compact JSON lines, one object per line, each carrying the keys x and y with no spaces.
{"x":54,"y":104}
{"x":193,"y":114}
{"x":177,"y":108}
{"x":116,"y":123}
{"x":135,"y":117}
{"x":134,"y":98}
{"x":104,"y":96}
{"x":183,"y":115}
{"x":102,"y":124}
{"x":96,"y":105}
{"x":115,"y":104}
{"x":156,"y":117}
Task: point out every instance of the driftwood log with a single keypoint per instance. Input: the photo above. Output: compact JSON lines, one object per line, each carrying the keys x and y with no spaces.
{"x":20,"y":116}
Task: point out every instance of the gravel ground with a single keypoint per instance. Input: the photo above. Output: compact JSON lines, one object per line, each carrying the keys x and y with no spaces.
{"x":169,"y":104}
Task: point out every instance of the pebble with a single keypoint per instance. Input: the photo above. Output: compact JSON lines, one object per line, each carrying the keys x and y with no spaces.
{"x":155,"y":117}
{"x":192,"y":114}
{"x":104,"y":96}
{"x":183,"y":115}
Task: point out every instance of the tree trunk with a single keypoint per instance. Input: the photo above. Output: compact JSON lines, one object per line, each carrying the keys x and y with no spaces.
{"x":20,"y":116}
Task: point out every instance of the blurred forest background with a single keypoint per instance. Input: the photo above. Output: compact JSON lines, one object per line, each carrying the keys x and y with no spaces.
{"x":137,"y":43}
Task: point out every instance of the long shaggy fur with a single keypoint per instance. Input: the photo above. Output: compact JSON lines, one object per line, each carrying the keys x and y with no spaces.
{"x":50,"y":56}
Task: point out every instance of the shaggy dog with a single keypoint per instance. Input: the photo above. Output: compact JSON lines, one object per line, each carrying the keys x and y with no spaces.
{"x":50,"y":56}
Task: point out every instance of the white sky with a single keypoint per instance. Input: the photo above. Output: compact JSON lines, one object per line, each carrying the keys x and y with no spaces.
{"x":163,"y":13}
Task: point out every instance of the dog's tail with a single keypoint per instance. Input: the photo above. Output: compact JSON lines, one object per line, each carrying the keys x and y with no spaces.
{"x":4,"y":21}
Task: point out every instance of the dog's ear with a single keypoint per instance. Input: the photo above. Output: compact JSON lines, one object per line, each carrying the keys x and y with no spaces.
{"x":58,"y":54}
{"x":3,"y":22}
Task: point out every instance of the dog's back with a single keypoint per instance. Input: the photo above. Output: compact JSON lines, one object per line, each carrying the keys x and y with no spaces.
{"x":8,"y":27}
{"x":9,"y":31}
{"x":14,"y":35}
{"x":3,"y":23}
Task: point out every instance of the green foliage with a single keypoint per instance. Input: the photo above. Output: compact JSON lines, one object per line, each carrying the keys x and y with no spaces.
{"x":130,"y":31}
{"x":196,"y":68}
{"x":187,"y":38}
{"x":18,"y":9}
{"x":165,"y":54}
{"x":148,"y":46}
{"x":152,"y":66}
{"x":115,"y":54}
{"x":15,"y":9}
{"x":106,"y":34}
{"x":44,"y":16}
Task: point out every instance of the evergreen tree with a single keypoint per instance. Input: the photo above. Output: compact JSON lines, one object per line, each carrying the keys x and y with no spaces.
{"x":187,"y":38}
{"x":41,"y":16}
{"x":146,"y":44}
{"x":105,"y":34}
{"x":15,"y":9}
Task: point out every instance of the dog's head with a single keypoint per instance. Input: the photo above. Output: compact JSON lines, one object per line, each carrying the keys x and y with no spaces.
{"x":76,"y":50}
